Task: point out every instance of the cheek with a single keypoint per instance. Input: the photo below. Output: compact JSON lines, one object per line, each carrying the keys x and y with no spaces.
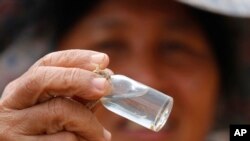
{"x":195,"y":85}
{"x":194,"y":90}
{"x":197,"y":89}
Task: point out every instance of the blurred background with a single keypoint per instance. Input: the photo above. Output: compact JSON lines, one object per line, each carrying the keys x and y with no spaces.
{"x":26,"y":34}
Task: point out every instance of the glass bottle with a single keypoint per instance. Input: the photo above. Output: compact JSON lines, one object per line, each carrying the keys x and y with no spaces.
{"x":138,"y":102}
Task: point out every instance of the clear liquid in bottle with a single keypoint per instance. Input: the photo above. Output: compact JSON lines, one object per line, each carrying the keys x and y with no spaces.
{"x":138,"y":102}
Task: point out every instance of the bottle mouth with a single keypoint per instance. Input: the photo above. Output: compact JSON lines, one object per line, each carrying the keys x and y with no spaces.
{"x":163,"y":115}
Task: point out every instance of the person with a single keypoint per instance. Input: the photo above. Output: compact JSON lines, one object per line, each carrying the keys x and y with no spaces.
{"x":163,"y":44}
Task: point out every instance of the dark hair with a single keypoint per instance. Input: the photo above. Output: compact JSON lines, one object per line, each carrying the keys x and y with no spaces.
{"x":222,"y":34}
{"x":58,"y":15}
{"x":223,"y":37}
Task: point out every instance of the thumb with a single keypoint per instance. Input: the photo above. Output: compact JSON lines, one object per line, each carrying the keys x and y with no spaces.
{"x":64,"y":116}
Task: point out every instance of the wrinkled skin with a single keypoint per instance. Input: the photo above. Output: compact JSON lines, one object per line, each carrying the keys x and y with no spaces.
{"x":46,"y":103}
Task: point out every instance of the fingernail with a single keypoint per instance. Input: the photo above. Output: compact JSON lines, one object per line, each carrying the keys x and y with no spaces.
{"x":99,"y":83}
{"x":107,"y":135}
{"x":98,"y":58}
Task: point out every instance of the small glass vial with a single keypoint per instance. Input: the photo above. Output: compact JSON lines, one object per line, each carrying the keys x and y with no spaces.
{"x":138,"y":102}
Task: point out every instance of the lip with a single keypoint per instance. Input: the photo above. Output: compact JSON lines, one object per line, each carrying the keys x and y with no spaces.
{"x":135,"y":131}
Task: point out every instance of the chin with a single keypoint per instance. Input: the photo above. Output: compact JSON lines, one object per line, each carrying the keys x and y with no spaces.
{"x":175,"y":129}
{"x":126,"y":130}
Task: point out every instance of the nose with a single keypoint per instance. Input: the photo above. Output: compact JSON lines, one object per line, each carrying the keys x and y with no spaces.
{"x":143,"y":68}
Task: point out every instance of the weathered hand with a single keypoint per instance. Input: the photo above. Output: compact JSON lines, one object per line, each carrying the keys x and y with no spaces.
{"x":41,"y":105}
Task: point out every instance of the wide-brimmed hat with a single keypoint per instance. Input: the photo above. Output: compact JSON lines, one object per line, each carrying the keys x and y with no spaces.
{"x":235,"y":8}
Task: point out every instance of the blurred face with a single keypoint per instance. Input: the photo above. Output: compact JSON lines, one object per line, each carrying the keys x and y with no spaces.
{"x":161,"y":45}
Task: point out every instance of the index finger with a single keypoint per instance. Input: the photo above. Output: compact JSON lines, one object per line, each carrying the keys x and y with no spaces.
{"x":85,"y":59}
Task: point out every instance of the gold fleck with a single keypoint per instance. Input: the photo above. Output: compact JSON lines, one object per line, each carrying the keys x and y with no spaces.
{"x":102,"y":73}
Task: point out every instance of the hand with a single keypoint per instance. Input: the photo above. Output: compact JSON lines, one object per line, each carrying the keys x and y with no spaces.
{"x":41,"y":105}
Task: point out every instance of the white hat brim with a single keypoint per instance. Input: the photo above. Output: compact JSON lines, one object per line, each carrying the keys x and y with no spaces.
{"x":235,"y":8}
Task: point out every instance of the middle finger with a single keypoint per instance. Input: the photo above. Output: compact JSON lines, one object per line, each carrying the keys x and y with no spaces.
{"x":43,"y":82}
